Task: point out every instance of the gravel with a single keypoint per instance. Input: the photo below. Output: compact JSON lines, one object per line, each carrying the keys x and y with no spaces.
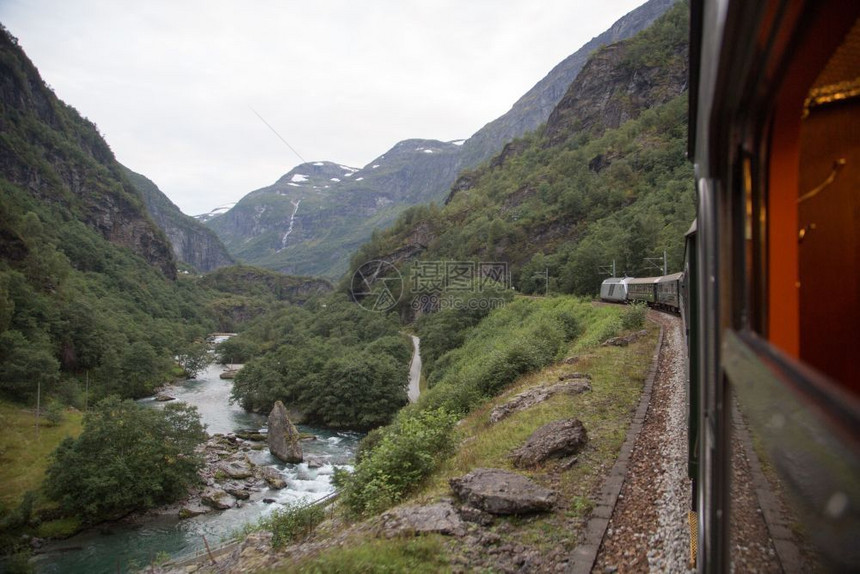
{"x":648,"y":530}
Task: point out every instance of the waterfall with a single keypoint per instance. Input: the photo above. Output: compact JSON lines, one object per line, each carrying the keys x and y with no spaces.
{"x":292,"y":221}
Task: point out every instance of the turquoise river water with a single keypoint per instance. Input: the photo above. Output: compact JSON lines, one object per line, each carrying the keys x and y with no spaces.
{"x":122,"y":546}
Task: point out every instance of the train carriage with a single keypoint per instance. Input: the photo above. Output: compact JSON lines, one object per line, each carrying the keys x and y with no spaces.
{"x":642,"y":290}
{"x":774,"y":285}
{"x":667,"y":292}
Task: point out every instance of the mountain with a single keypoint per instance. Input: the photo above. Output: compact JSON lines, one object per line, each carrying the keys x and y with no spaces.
{"x":88,"y":285}
{"x":334,"y":217}
{"x":533,"y":109}
{"x":313,"y":218}
{"x":220,"y":210}
{"x":193,"y":243}
{"x":606,"y":179}
{"x":62,"y":160}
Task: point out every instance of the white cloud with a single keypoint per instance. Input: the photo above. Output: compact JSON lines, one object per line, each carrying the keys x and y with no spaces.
{"x":172,"y":85}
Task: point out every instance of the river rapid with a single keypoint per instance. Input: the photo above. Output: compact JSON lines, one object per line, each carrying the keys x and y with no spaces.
{"x":123,"y":546}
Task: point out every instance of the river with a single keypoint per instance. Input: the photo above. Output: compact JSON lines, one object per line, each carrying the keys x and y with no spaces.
{"x":119,"y":547}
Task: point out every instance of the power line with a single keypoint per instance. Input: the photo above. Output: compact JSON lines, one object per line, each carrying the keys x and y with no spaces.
{"x":274,"y":131}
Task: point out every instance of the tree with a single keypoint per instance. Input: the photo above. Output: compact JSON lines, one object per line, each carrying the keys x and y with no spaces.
{"x":24,"y":364}
{"x":359,"y":390}
{"x":194,"y":358}
{"x":127,"y":458}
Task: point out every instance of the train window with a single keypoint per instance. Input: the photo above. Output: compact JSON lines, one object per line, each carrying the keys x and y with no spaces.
{"x":829,"y":215}
{"x":813,"y":205}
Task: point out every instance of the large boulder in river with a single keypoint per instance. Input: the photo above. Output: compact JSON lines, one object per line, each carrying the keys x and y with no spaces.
{"x":283,"y":437}
{"x":502,"y":492}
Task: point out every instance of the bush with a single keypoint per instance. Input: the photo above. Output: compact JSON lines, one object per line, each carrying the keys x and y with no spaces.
{"x":127,"y":458}
{"x":634,"y":316}
{"x":292,"y":523}
{"x":406,"y":453}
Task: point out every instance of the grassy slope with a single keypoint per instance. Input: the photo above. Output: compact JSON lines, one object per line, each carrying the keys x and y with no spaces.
{"x":24,"y":456}
{"x":618,"y":378}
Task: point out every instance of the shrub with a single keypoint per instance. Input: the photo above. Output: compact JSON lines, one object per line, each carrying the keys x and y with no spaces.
{"x":292,"y":523}
{"x":54,"y":413}
{"x":406,"y":453}
{"x":634,"y":316}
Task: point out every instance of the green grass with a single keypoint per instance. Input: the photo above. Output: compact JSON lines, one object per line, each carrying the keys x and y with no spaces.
{"x":423,"y":555}
{"x":59,"y":528}
{"x":618,"y":375}
{"x":24,"y":453}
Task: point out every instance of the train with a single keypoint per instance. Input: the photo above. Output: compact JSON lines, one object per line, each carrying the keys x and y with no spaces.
{"x":664,"y":292}
{"x":771,"y":284}
{"x":770,"y":290}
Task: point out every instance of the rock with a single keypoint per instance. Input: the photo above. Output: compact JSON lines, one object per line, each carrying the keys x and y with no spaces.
{"x":283,"y":438}
{"x":315,"y":462}
{"x":502,"y":492}
{"x":537,"y":395}
{"x":217,"y":498}
{"x":250,"y":434}
{"x":272,"y":477}
{"x":237,"y":491}
{"x":191,"y":510}
{"x":570,"y":360}
{"x":164,"y":397}
{"x":476,"y":515}
{"x":236,"y":469}
{"x":229,"y":374}
{"x":556,"y":439}
{"x":624,"y":341}
{"x":269,"y":500}
{"x":440,"y":518}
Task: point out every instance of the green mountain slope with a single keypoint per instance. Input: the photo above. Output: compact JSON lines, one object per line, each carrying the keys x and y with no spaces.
{"x":606,"y":179}
{"x":312,"y":219}
{"x":88,"y":288}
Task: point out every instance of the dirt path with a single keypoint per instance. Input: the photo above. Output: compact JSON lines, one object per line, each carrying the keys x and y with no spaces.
{"x":415,"y":370}
{"x":648,"y":530}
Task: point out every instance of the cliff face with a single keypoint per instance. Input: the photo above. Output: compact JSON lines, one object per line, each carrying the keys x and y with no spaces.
{"x":193,"y":243}
{"x":47,"y":148}
{"x":622,"y":80}
{"x":533,"y":109}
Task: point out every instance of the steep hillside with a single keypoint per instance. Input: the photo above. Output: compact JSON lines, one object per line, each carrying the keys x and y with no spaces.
{"x":533,"y":109}
{"x":334,"y":219}
{"x":47,"y":148}
{"x":312,"y":219}
{"x":606,"y":180}
{"x":193,"y":243}
{"x":88,"y":288}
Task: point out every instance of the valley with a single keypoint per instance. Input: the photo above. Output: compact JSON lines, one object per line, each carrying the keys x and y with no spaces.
{"x":484,"y":255}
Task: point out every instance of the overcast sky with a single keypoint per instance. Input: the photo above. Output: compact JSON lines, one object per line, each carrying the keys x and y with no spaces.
{"x":173,"y":84}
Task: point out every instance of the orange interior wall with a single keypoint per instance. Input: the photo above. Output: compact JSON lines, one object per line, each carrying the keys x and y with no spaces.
{"x":783,"y":271}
